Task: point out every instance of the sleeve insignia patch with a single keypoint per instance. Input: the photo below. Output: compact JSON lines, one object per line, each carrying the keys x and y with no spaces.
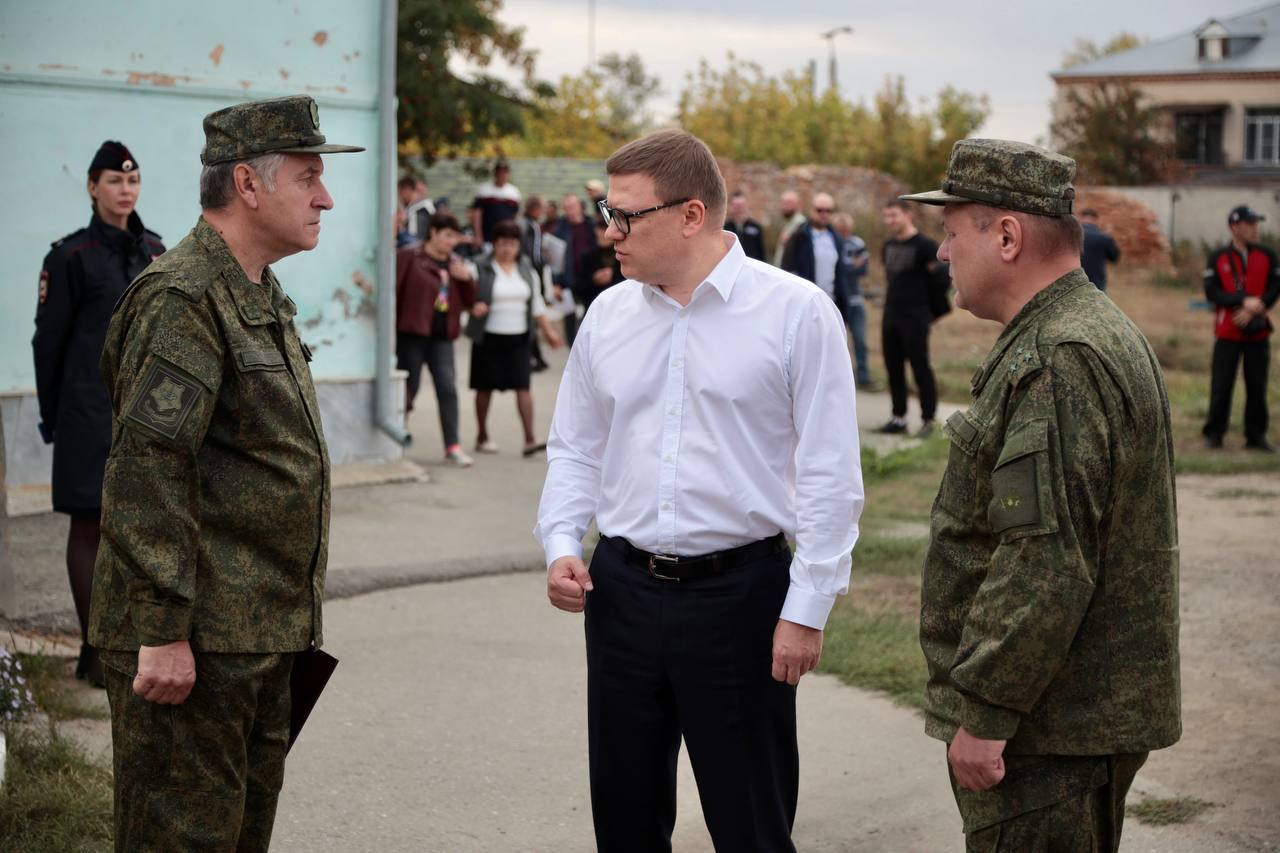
{"x":165,"y":401}
{"x":44,"y":286}
{"x":1014,"y":502}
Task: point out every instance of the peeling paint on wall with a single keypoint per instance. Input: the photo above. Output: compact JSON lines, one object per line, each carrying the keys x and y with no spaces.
{"x":156,"y":78}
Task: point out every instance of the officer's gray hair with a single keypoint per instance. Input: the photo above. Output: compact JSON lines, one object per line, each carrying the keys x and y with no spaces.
{"x":217,"y":182}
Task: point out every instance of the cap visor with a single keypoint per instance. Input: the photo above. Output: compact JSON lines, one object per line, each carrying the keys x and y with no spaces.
{"x":935,"y":197}
{"x":327,"y":148}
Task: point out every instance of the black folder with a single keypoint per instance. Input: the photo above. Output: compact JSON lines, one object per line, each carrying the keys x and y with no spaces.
{"x":311,"y":671}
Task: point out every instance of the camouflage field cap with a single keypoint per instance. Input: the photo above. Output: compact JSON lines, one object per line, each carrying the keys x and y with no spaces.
{"x":1010,"y":175}
{"x":289,"y":125}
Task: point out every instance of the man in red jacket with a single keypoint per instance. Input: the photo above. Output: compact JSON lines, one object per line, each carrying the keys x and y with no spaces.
{"x":433,"y":285}
{"x":1242,"y":280}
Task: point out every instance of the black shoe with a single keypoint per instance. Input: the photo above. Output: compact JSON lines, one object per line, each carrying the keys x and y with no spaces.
{"x":539,"y":366}
{"x":1260,"y":444}
{"x":1213,"y":442}
{"x":893,"y":427}
{"x":869,"y":386}
{"x":89,"y":666}
{"x":926,"y":429}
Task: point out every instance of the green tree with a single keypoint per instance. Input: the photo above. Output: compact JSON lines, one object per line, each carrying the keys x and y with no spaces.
{"x":747,"y":115}
{"x":628,"y":90}
{"x":1114,"y":137}
{"x":442,"y":112}
{"x":588,"y":115}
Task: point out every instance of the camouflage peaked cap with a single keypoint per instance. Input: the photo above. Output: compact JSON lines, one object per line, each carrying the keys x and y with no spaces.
{"x":289,"y":125}
{"x":1009,"y":175}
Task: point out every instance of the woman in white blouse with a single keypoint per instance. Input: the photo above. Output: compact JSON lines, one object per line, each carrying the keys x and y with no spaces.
{"x":501,"y":354}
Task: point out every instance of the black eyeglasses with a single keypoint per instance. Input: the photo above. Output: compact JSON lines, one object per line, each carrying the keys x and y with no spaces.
{"x":624,"y":217}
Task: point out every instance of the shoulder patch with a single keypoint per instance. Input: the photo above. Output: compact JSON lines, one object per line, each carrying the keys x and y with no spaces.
{"x":165,"y":399}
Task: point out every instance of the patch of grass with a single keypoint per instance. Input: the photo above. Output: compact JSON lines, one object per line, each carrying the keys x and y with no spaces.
{"x":1240,"y":494}
{"x":928,"y":455}
{"x":895,"y":556}
{"x":1172,"y":810}
{"x":55,"y":799}
{"x":876,"y":650}
{"x":50,"y":678}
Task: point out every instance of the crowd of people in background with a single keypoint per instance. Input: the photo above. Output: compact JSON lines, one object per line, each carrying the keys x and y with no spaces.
{"x":568,"y":261}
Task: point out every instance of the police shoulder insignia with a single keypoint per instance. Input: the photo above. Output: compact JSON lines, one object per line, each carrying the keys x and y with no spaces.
{"x":166,"y":399}
{"x":44,"y":286}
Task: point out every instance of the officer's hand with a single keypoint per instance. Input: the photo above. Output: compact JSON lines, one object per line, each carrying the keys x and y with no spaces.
{"x":1241,"y":317}
{"x":166,"y":673}
{"x":479,"y":309}
{"x":1253,"y":305}
{"x":568,"y":583}
{"x":977,"y":763}
{"x":796,"y":650}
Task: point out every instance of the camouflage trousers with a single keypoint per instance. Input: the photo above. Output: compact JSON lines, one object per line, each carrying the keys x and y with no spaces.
{"x":204,"y":775}
{"x":1050,"y":804}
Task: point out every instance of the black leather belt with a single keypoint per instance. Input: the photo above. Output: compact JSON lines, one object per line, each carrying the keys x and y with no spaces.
{"x":668,"y":568}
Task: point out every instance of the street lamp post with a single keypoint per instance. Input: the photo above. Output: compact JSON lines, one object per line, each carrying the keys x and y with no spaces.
{"x":830,"y":36}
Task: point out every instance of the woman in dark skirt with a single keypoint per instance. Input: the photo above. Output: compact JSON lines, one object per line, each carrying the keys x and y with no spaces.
{"x":81,"y":281}
{"x":510,"y":292}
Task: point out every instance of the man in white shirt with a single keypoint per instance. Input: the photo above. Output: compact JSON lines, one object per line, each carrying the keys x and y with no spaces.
{"x":706,"y":414}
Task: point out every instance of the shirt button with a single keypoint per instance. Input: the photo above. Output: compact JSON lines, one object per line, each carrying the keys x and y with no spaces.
{"x":668,"y":458}
{"x":674,"y":410}
{"x":666,"y":505}
{"x":679,"y":362}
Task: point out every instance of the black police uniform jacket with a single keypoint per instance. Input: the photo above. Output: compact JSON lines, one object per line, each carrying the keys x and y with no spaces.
{"x":83,"y":276}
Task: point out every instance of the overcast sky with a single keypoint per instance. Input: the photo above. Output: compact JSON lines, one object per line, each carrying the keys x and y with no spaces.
{"x":1004,"y":50}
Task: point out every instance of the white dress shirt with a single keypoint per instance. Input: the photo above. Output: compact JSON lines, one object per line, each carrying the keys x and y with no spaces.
{"x":693,"y":429}
{"x":825,"y":257}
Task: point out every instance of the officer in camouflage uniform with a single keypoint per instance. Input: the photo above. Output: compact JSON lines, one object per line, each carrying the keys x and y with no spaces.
{"x":216,"y":497}
{"x":1049,"y":608}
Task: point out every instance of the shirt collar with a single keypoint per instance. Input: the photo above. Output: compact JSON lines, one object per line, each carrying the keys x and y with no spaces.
{"x":723,"y":276}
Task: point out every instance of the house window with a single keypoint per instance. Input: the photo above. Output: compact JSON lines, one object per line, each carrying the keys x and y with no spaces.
{"x":1199,"y":138}
{"x":1262,"y":137}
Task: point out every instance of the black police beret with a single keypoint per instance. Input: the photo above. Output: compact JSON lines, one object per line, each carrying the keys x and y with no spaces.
{"x":113,"y":155}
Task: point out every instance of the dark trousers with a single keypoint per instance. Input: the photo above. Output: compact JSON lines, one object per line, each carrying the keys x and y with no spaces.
{"x":1089,"y":815}
{"x":856,"y":319}
{"x":1226,"y":360}
{"x":206,"y":774}
{"x":691,"y":659}
{"x":904,"y":337}
{"x":437,"y":353}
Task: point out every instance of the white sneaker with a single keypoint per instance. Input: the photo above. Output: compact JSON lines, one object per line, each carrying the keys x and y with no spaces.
{"x":458,"y":458}
{"x":487,"y":446}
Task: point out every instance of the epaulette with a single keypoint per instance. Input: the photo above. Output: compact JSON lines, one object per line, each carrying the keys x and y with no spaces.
{"x":57,"y":244}
{"x":1022,"y":363}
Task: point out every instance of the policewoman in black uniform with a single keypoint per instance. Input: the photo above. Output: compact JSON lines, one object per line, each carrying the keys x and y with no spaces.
{"x":83,"y":276}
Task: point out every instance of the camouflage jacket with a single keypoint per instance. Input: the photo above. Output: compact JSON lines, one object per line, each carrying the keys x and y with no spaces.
{"x":215,"y":514}
{"x":1049,"y":608}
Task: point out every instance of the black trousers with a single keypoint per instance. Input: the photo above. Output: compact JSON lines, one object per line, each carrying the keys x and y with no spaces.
{"x":412,"y":351}
{"x":1226,"y":360}
{"x":905,"y":337}
{"x":691,"y":659}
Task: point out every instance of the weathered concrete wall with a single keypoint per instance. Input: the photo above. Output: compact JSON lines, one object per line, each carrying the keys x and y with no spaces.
{"x":1199,"y":213}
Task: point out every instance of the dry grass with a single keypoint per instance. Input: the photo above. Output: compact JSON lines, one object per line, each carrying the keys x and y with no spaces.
{"x":1170,"y":311}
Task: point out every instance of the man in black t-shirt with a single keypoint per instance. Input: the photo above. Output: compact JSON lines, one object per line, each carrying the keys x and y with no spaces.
{"x":911,"y":265}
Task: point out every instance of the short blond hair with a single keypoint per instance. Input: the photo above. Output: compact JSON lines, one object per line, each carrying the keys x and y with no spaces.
{"x":681,"y":166}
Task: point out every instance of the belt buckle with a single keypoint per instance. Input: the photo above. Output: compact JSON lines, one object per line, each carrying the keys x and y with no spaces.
{"x":654,"y":559}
